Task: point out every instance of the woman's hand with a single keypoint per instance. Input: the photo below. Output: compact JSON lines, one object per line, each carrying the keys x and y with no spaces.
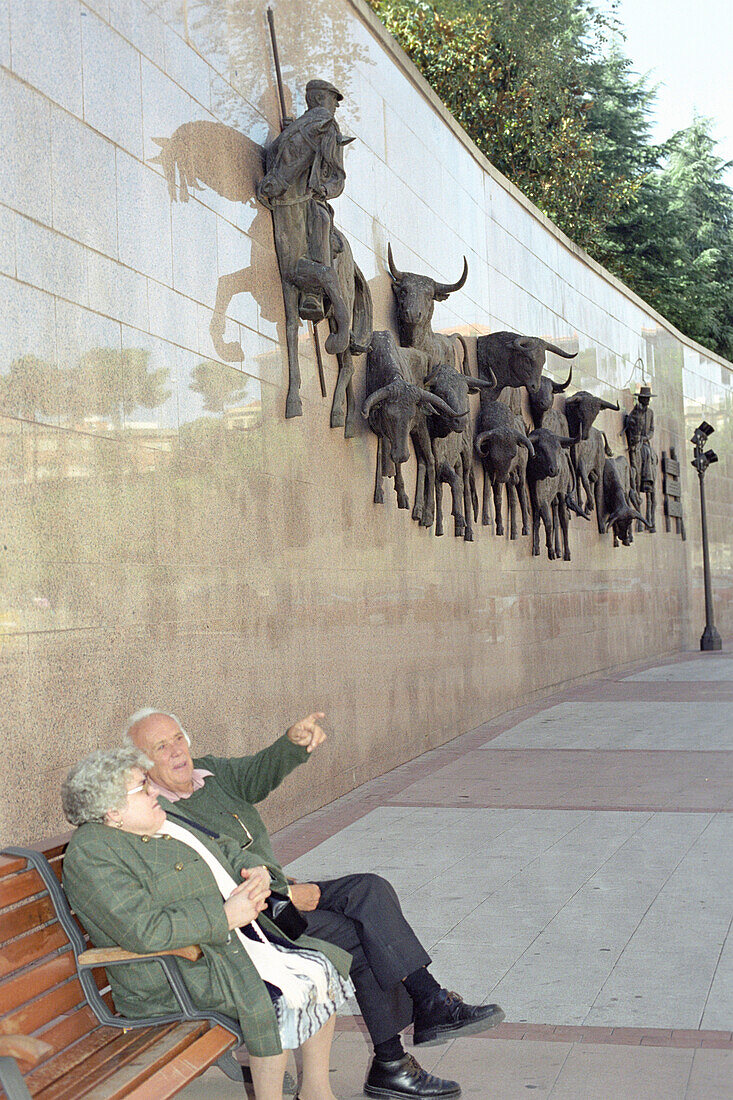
{"x":250,"y":898}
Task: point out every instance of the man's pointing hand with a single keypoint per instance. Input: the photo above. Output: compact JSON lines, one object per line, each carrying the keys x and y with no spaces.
{"x":307,"y":732}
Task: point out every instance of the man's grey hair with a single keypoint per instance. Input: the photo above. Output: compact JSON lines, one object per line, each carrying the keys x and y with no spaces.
{"x":98,"y":783}
{"x":146,"y":712}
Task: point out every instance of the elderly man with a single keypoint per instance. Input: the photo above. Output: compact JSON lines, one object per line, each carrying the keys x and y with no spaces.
{"x":360,"y":913}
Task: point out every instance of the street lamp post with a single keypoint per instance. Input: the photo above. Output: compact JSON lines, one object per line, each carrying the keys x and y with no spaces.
{"x":710,"y":639}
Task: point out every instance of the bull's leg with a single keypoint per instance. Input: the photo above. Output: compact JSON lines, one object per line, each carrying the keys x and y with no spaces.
{"x":563,"y":517}
{"x":523,"y":504}
{"x":485,"y":515}
{"x":472,"y":486}
{"x":498,"y":508}
{"x":512,"y":493}
{"x":456,"y":488}
{"x":293,"y":404}
{"x":403,"y":501}
{"x":535,"y":524}
{"x":226,"y":288}
{"x":350,"y":426}
{"x":466,"y":472}
{"x":546,"y":513}
{"x":418,"y":506}
{"x":583,"y":479}
{"x":650,"y":509}
{"x":598,"y":492}
{"x":309,"y":275}
{"x":424,"y":452}
{"x":439,"y":500}
{"x":379,"y":473}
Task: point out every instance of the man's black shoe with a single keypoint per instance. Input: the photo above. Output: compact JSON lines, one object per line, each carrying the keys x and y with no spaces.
{"x":444,"y":1015}
{"x":405,"y":1078}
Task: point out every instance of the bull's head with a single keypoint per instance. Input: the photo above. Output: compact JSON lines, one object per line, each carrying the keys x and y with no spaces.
{"x":516,"y":360}
{"x":547,"y":450}
{"x":541,"y":400}
{"x":417,"y":294}
{"x":581,"y":410}
{"x":390,"y":411}
{"x":498,"y":450}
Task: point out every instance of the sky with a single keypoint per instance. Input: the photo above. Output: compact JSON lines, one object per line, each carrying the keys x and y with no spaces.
{"x":687,"y":46}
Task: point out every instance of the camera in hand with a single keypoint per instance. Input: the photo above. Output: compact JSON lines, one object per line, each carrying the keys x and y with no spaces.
{"x":283,"y":913}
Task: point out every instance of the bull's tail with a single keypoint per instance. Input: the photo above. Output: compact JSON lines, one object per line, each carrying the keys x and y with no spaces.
{"x":465,"y":365}
{"x":607,"y":449}
{"x":363,"y":319}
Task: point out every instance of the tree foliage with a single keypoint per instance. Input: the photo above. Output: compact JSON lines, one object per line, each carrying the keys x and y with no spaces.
{"x":545,"y":91}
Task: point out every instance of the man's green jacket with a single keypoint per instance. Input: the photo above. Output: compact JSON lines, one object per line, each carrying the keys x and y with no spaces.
{"x":225,"y":802}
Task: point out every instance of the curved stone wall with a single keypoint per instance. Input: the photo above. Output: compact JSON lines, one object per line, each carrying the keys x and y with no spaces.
{"x":168,"y":538}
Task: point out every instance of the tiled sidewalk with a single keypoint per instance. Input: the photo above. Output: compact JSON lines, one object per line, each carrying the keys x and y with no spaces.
{"x":573,"y":861}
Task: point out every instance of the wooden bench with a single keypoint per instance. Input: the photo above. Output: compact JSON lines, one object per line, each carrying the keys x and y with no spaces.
{"x":60,"y":1037}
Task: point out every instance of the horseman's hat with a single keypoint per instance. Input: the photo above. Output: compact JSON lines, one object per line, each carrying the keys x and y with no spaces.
{"x":645,"y":391}
{"x":322,"y":86}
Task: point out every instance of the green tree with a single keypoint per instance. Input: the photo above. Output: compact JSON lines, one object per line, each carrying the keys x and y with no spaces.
{"x":514,"y":75}
{"x":701,"y":204}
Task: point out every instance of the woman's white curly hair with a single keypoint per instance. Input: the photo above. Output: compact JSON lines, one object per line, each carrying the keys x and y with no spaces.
{"x":98,"y":783}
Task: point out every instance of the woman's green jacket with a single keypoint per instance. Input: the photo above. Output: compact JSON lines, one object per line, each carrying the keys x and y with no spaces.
{"x":146,"y":894}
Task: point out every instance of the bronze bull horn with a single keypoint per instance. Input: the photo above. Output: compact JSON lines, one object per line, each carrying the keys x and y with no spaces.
{"x":396,"y":275}
{"x":440,"y":405}
{"x":637,"y":515}
{"x":444,"y":289}
{"x":559,"y":351}
{"x":482,"y":438}
{"x":524,"y":442}
{"x":558,"y":387}
{"x":610,"y":405}
{"x":376,"y":398}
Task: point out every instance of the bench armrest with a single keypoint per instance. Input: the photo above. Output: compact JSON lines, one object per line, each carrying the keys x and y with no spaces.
{"x":108,"y":956}
{"x":25,"y":1049}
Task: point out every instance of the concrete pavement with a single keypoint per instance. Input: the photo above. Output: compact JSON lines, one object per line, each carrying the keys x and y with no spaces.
{"x":572,"y":861}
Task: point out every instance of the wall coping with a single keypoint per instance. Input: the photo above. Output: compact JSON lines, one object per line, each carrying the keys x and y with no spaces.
{"x":379,"y":30}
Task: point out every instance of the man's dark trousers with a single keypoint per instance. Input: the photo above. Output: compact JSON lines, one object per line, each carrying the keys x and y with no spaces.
{"x":362,"y":914}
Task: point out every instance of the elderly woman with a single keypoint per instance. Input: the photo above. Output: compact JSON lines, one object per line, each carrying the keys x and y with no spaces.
{"x":147,"y":883}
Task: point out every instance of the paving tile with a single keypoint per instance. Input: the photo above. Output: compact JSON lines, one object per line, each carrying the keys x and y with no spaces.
{"x":610,"y":1072}
{"x":712,"y":667}
{"x":711,"y":1077}
{"x":510,"y":1071}
{"x":633,"y":724}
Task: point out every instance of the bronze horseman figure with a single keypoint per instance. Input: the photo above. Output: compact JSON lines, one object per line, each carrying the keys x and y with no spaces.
{"x":304,"y":168}
{"x":639,"y":429}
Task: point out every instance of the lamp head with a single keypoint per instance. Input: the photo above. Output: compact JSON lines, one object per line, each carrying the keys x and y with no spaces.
{"x":711,"y":456}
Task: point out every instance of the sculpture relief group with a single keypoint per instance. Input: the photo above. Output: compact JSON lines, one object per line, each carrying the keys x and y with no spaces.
{"x":417,"y":384}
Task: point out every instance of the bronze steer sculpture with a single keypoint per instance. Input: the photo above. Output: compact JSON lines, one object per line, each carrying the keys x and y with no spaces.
{"x":619,"y":512}
{"x":550,"y":480}
{"x":452,"y":440}
{"x":590,"y":453}
{"x":515,"y":360}
{"x":502,"y":445}
{"x":416,"y":296}
{"x":396,"y":409}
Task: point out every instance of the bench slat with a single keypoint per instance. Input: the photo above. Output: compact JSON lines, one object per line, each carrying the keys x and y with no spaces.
{"x":17,"y":888}
{"x":187,"y":1065}
{"x":25,"y":917}
{"x":31,"y":1017}
{"x":132,"y":1053}
{"x":69,"y":1028}
{"x":17,"y":991}
{"x":25,"y":951}
{"x":10,"y":865}
{"x":71,"y":1057}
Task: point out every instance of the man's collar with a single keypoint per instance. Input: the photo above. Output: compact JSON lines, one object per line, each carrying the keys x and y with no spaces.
{"x":199,"y":775}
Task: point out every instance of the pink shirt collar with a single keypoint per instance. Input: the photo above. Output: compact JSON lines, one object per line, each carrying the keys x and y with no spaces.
{"x":199,"y":775}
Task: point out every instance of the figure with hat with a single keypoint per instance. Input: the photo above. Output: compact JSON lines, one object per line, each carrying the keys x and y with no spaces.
{"x":304,"y":169}
{"x":639,"y":429}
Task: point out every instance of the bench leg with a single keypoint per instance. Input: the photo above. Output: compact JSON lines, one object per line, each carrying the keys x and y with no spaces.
{"x":12,"y":1081}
